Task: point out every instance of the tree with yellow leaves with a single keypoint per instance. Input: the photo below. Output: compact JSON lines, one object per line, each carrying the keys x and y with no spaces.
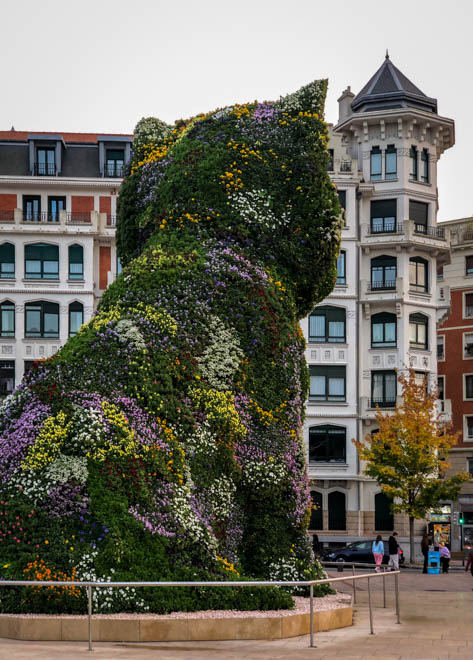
{"x":408,"y":454}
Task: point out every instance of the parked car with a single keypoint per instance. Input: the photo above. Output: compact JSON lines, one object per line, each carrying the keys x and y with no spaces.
{"x":359,"y":551}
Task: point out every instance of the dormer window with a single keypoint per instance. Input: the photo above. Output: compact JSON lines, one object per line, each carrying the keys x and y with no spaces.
{"x":45,"y":161}
{"x":115,"y":160}
{"x":390,"y":162}
{"x":376,"y":164}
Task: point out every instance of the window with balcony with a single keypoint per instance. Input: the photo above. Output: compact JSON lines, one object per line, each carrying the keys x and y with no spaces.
{"x":468,"y":345}
{"x":468,"y":428}
{"x":55,"y":204}
{"x":376,"y":164}
{"x":441,"y":347}
{"x":7,"y":319}
{"x":31,"y":208}
{"x":418,"y":331}
{"x":76,"y":262}
{"x":413,"y":156}
{"x":468,"y":386}
{"x":41,"y":262}
{"x":384,"y":519}
{"x":421,"y":380}
{"x":425,"y":173}
{"x":327,"y":383}
{"x":330,"y":163}
{"x":7,"y":261}
{"x":383,"y":389}
{"x":390,"y":162}
{"x":383,"y":330}
{"x":441,"y":391}
{"x":383,"y":273}
{"x":7,"y":377}
{"x":45,"y":161}
{"x":327,"y":325}
{"x":42,"y":320}
{"x":469,"y":264}
{"x":317,"y":512}
{"x":383,"y":216}
{"x":76,"y":317}
{"x":419,"y":213}
{"x":439,"y":273}
{"x":341,"y":268}
{"x":468,"y":305}
{"x":115,"y":161}
{"x":418,"y":274}
{"x":327,"y":444}
{"x":337,"y":510}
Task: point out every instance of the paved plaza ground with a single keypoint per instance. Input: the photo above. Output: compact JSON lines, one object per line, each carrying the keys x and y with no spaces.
{"x":436,"y":616}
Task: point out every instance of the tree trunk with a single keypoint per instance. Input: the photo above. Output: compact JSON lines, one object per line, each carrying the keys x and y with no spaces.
{"x":411,"y":539}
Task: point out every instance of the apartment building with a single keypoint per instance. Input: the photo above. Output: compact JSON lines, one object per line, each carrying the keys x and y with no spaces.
{"x":382,"y":313}
{"x":58,"y":196}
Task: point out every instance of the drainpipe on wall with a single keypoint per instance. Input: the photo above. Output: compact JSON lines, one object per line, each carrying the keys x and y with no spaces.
{"x":357,"y":352}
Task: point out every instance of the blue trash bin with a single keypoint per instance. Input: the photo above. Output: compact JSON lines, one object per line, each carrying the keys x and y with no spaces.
{"x":433,"y":562}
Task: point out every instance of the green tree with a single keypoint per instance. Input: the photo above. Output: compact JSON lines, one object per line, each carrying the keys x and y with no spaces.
{"x":408,"y":456}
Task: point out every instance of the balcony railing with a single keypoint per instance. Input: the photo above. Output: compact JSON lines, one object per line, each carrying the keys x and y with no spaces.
{"x":384,"y":402}
{"x":111,"y":220}
{"x":40,"y":216}
{"x":45,"y":169}
{"x":345,"y":166}
{"x":78,"y":218}
{"x":435,"y":232}
{"x":387,"y":285}
{"x":115,"y":170}
{"x":7,"y":216}
{"x":387,"y":228}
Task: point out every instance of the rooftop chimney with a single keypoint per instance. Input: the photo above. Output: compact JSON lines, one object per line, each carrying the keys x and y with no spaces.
{"x":344,"y":103}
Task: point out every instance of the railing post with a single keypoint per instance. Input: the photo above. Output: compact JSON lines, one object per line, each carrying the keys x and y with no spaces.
{"x":384,"y":587}
{"x":396,"y":587}
{"x":89,"y":598}
{"x":312,"y":616}
{"x":370,"y":608}
{"x":354,"y":583}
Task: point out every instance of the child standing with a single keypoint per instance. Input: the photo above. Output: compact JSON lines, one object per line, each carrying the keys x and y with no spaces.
{"x":378,"y":552}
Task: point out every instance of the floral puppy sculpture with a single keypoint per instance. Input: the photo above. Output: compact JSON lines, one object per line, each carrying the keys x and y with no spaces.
{"x":164,"y":441}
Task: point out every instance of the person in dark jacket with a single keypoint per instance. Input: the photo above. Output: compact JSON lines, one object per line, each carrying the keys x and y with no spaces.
{"x":424,"y":544}
{"x":469,"y":563}
{"x":393,"y":549}
{"x":316,"y":545}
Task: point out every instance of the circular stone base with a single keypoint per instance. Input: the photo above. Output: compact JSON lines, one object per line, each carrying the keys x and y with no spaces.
{"x":329,"y":613}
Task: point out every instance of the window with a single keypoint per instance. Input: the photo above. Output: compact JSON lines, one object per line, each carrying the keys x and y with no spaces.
{"x":42,"y":320}
{"x":327,"y":383}
{"x":115,"y":162}
{"x":468,"y":345}
{"x":330,"y":161}
{"x":383,"y":389}
{"x":327,"y":324}
{"x":468,"y":304}
{"x":336,"y":510}
{"x":468,"y":386}
{"x":383,"y":216}
{"x":470,"y":466}
{"x":419,"y":213}
{"x":425,"y":166}
{"x":469,"y":264}
{"x":7,"y":319}
{"x":441,"y":391}
{"x":440,"y":347}
{"x":384,"y":519}
{"x":76,"y":317}
{"x":383,"y":330}
{"x":375,"y":164}
{"x":31,"y":208}
{"x":469,"y":429}
{"x":414,"y":163}
{"x":76,"y":262}
{"x":45,"y":161}
{"x":383,"y":273}
{"x":390,"y":156}
{"x":439,"y":273}
{"x":7,"y":376}
{"x":55,"y":204}
{"x":327,"y":444}
{"x":41,"y":262}
{"x":341,"y":269}
{"x":418,"y":331}
{"x":421,"y":380}
{"x":317,"y":513}
{"x":7,"y":261}
{"x":342,"y":198}
{"x":418,"y":274}
{"x":119,"y":266}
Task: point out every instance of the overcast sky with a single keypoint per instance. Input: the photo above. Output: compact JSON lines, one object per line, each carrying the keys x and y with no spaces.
{"x":100,"y":65}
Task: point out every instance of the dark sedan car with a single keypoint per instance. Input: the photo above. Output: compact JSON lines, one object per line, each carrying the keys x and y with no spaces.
{"x":359,"y":551}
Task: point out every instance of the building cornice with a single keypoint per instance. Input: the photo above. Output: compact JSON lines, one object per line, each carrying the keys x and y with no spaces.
{"x":53,"y":181}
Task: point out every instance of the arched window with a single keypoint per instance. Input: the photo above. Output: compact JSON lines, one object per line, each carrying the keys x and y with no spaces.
{"x":419,"y":274}
{"x":383,"y":518}
{"x":383,"y":272}
{"x":76,"y":262}
{"x":337,"y":510}
{"x":42,"y":320}
{"x":327,"y":444}
{"x":41,"y":262}
{"x":327,"y":324}
{"x":7,"y":260}
{"x":317,"y":513}
{"x":76,"y":317}
{"x":418,"y":331}
{"x":383,"y":330}
{"x":7,"y":319}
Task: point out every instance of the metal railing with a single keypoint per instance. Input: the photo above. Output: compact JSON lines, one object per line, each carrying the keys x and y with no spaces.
{"x":385,"y":285}
{"x":7,"y":216}
{"x":78,"y":217}
{"x":41,"y":216}
{"x":382,"y":402}
{"x":45,"y":169}
{"x":263,"y":583}
{"x":387,"y":228}
{"x":435,"y":232}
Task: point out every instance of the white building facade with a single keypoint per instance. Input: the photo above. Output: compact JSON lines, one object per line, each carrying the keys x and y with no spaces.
{"x":381,"y":316}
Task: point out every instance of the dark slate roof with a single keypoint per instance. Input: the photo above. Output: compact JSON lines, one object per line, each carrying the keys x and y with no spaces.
{"x":389,"y":88}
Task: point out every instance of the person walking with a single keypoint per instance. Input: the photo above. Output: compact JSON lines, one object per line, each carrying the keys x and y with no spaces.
{"x":378,"y":552}
{"x":424,"y":544}
{"x":444,"y":557}
{"x":393,"y":552}
{"x":469,"y":563}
